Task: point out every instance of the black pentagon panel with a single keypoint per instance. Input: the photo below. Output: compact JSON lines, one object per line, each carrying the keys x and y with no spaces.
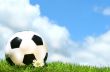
{"x":45,"y":57}
{"x":9,"y":61}
{"x":28,"y":59}
{"x":37,"y":40}
{"x":15,"y":43}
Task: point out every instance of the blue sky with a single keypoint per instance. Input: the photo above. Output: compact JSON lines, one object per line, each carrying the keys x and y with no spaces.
{"x":79,"y":16}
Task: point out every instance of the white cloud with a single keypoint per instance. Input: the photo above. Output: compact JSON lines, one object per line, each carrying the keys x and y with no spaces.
{"x":19,"y":15}
{"x":102,"y":10}
{"x":96,"y":50}
{"x":59,"y":57}
{"x":4,"y":34}
{"x":106,"y":11}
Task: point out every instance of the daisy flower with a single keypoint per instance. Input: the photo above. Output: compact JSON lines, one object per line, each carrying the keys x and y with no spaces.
{"x":38,"y":63}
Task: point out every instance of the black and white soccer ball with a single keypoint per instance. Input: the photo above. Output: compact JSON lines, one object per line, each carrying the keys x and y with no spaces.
{"x":24,"y":47}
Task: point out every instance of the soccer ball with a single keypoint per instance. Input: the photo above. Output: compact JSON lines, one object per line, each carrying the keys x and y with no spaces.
{"x":25,"y":47}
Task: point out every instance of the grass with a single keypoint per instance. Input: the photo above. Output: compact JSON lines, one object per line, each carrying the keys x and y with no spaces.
{"x":51,"y":67}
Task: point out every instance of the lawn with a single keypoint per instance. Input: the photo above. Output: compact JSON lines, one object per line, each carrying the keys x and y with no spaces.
{"x":51,"y":67}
